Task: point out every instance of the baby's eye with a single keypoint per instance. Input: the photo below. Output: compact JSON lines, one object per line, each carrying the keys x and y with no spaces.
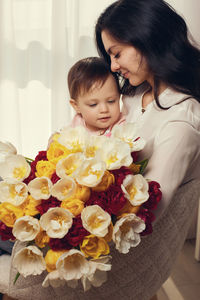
{"x":111,"y":101}
{"x":92,"y":105}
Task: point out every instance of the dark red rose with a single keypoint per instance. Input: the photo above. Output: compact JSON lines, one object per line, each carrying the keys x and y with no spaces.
{"x":155,"y":195}
{"x":59,"y":244}
{"x":120,"y":174}
{"x":72,"y":239}
{"x":42,"y":155}
{"x":112,"y":200}
{"x":54,"y":178}
{"x":97,"y":198}
{"x":135,"y":156}
{"x":115,"y":199}
{"x":46,"y":204}
{"x":6,"y":232}
{"x":148,"y":217}
{"x":76,"y":233}
{"x":32,"y":173}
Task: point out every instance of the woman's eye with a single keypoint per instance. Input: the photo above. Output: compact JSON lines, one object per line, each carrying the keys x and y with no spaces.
{"x":92,"y":105}
{"x":116,"y":55}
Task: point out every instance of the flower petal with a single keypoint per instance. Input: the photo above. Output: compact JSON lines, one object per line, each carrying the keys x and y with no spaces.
{"x":29,"y":261}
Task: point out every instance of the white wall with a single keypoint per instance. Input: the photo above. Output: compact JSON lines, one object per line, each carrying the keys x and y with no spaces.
{"x":190,"y":11}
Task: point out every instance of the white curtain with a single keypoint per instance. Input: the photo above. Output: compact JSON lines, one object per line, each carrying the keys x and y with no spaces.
{"x":39,"y":41}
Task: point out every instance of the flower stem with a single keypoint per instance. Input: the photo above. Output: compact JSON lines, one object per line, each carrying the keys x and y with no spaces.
{"x":16,"y":277}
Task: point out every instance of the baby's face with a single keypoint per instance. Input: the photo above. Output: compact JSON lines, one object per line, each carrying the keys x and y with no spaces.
{"x":100,"y":107}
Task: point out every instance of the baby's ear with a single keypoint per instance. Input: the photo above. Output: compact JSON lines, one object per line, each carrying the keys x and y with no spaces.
{"x":75,"y":105}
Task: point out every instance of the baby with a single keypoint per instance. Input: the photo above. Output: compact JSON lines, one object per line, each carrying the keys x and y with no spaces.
{"x":95,"y":96}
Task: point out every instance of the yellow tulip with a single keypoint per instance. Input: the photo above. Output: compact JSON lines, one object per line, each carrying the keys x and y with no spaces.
{"x":106,"y":181}
{"x":128,"y":209}
{"x":45,"y":168}
{"x":75,"y":206}
{"x":29,"y":206}
{"x":42,"y":239}
{"x":56,"y":151}
{"x":9,"y":213}
{"x":82,"y":192}
{"x":51,"y":259}
{"x":94,"y":246}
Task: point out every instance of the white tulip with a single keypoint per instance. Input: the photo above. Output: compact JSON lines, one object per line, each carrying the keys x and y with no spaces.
{"x":26,"y":228}
{"x":72,"y":265}
{"x":135,"y":188}
{"x":40,"y":188}
{"x":128,"y":133}
{"x":56,"y":222}
{"x":95,"y":220}
{"x":73,"y":138}
{"x":13,"y":191}
{"x":90,"y":172}
{"x":97,"y":273}
{"x":126,"y":232}
{"x":16,"y":167}
{"x":67,"y":166}
{"x":7,"y":147}
{"x":116,"y":154}
{"x":93,"y":145}
{"x":63,"y":188}
{"x":29,"y":261}
{"x":53,"y":279}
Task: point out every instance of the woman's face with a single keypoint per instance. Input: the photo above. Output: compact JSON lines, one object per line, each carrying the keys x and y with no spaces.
{"x":126,"y":60}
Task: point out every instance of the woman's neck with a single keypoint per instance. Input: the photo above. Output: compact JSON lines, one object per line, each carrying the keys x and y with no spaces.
{"x":148,"y":96}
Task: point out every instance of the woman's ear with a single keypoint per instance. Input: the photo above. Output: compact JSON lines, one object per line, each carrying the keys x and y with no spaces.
{"x":75,"y":105}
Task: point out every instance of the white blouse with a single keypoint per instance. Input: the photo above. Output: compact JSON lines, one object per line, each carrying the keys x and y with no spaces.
{"x":172,"y":139}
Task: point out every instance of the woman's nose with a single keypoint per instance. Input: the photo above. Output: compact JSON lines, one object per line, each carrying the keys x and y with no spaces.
{"x":114,"y":65}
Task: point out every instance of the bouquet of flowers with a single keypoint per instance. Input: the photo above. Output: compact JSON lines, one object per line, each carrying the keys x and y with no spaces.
{"x":72,"y":201}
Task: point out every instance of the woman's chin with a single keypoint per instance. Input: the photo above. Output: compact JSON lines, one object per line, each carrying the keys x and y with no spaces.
{"x":135,"y":82}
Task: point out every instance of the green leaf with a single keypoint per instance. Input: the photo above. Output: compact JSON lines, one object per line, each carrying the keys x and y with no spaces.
{"x":143,"y":163}
{"x":29,"y":160}
{"x":16,"y":277}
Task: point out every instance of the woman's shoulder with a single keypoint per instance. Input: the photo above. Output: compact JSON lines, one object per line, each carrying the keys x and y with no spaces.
{"x":170,"y":98}
{"x":187,"y":109}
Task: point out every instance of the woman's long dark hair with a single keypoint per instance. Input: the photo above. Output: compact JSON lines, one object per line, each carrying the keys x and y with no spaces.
{"x":160,"y":34}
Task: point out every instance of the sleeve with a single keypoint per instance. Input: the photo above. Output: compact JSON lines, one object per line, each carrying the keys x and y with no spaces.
{"x":175,"y":159}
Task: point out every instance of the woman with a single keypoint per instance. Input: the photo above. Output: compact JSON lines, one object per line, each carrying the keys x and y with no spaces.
{"x":146,"y":43}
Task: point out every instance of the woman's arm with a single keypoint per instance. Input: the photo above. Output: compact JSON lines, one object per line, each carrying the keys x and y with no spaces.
{"x":175,"y":159}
